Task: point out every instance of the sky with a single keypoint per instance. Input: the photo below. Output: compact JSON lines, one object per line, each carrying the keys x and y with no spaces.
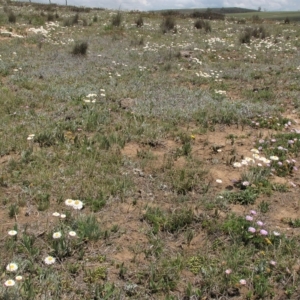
{"x":144,"y":5}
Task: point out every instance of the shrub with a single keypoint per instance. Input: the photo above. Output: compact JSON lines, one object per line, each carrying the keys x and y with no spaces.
{"x":139,"y":21}
{"x":287,"y":20}
{"x":12,"y":17}
{"x":256,"y":32}
{"x":207,"y":26}
{"x":256,"y":19}
{"x":50,"y":17}
{"x":198,"y":24}
{"x":116,"y":20}
{"x":168,"y":24}
{"x":80,"y":48}
{"x":71,"y":21}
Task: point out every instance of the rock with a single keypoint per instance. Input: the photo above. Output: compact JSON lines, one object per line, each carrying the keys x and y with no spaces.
{"x":5,"y":33}
{"x":186,"y":54}
{"x":127,"y":103}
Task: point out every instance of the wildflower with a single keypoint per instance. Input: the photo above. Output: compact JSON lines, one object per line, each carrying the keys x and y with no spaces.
{"x":56,"y":235}
{"x":63,"y":216}
{"x":12,"y":232}
{"x":244,"y":162}
{"x":56,"y":214}
{"x":91,"y":95}
{"x":268,"y":241}
{"x":219,"y":181}
{"x":263,"y":232}
{"x":253,"y":212}
{"x":254,"y":150}
{"x":252,"y":229}
{"x":12,"y":267}
{"x":246,"y":183}
{"x":256,"y":156}
{"x":228,"y":271}
{"x":77,"y":204}
{"x":9,"y":282}
{"x":237,"y":165}
{"x":49,"y":260}
{"x":243,"y":282}
{"x":273,"y":262}
{"x":72,"y":233}
{"x":69,"y":202}
{"x":30,"y":137}
{"x":249,"y":159}
{"x":19,"y":278}
{"x":276,"y":233}
{"x":274,"y":157}
{"x":260,"y":223}
{"x":249,"y":218}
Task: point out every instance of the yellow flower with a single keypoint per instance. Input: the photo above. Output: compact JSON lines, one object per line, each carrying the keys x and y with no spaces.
{"x":268,"y":241}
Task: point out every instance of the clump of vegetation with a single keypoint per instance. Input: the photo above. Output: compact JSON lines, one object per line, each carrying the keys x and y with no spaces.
{"x":201,"y":24}
{"x":255,"y":32}
{"x":71,"y":21}
{"x":168,"y":24}
{"x":116,"y":20}
{"x":80,"y":48}
{"x":12,"y":18}
{"x":139,"y":21}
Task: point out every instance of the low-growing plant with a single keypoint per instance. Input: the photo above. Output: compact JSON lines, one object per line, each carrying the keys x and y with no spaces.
{"x":168,"y":24}
{"x":12,"y":18}
{"x":116,"y":20}
{"x":255,"y":32}
{"x":87,"y":227}
{"x":139,"y":21}
{"x":13,"y":210}
{"x":80,"y":48}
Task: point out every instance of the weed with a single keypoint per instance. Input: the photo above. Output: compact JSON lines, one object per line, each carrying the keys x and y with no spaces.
{"x":43,"y":201}
{"x":80,"y":48}
{"x":264,"y":207}
{"x":294,"y":223}
{"x":168,"y":24}
{"x":12,"y":17}
{"x":139,"y":21}
{"x":87,"y":227}
{"x":94,"y":275}
{"x":116,"y":20}
{"x":13,"y":210}
{"x":244,"y":197}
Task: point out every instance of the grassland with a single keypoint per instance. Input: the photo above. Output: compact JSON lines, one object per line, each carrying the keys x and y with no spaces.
{"x":142,"y":158}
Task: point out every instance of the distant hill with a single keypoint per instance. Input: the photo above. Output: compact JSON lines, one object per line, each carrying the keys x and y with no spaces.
{"x":220,"y":10}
